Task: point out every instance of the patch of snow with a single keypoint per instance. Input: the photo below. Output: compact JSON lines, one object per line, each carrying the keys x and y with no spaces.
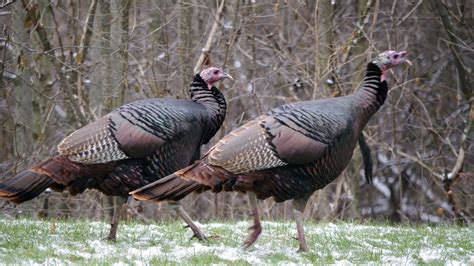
{"x":249,"y":87}
{"x":147,"y":253}
{"x":428,"y":255}
{"x":237,"y":64}
{"x":60,"y":111}
{"x":120,"y":264}
{"x":100,"y":247}
{"x":430,"y":218}
{"x":48,"y":261}
{"x":445,"y":205}
{"x":393,"y":260}
{"x":383,"y":159}
{"x":228,"y":24}
{"x":161,"y":56}
{"x":384,"y":189}
{"x":343,"y":262}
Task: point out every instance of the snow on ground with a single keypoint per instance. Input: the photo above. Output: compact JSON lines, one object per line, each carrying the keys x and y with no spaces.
{"x":139,"y":244}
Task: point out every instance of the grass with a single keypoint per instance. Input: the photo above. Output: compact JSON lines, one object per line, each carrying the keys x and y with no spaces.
{"x":27,"y":241}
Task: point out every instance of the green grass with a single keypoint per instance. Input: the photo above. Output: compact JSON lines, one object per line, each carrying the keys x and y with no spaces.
{"x":81,"y":242}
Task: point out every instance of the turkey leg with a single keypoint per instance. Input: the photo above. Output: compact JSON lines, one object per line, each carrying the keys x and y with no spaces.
{"x":185,"y":216}
{"x":365,"y":150}
{"x":256,"y":228}
{"x":298,"y":210}
{"x":118,"y":208}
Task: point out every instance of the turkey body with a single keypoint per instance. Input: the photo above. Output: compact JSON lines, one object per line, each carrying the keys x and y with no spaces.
{"x":138,"y":143}
{"x":134,"y":145}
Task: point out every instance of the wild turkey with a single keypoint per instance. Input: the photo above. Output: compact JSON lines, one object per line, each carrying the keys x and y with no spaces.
{"x":135,"y":144}
{"x":288,"y":153}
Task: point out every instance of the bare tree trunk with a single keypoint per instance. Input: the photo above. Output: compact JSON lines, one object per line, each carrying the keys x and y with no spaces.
{"x":106,"y":51}
{"x":33,"y":19}
{"x":184,"y":48}
{"x":359,"y":49}
{"x":6,"y":119}
{"x":323,"y":62}
{"x":84,"y":45}
{"x":124,"y":44}
{"x":323,"y":48}
{"x":23,"y":133}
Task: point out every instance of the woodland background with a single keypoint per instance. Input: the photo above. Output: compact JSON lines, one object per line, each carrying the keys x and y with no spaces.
{"x":66,"y":63}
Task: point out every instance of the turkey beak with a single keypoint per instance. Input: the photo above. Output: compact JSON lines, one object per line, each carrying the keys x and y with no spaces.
{"x":403,"y":55}
{"x":225,"y":75}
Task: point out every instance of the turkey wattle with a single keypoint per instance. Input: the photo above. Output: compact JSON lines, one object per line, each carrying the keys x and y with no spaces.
{"x":288,"y":153}
{"x":130,"y":147}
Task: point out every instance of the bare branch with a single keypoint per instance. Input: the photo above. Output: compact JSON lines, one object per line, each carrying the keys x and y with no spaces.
{"x":84,"y":43}
{"x":463,"y":74}
{"x":207,"y":47}
{"x":33,"y":17}
{"x":420,"y":162}
{"x":7,"y":3}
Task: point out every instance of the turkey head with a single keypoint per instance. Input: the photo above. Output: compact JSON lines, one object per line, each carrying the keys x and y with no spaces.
{"x":389,"y":59}
{"x":213,"y":74}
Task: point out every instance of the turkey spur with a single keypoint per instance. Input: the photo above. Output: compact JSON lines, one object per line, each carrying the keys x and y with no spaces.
{"x":130,"y":147}
{"x":288,"y":153}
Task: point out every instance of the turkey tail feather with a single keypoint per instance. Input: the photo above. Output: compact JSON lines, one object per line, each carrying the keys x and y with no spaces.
{"x":24,"y":186}
{"x":171,"y":188}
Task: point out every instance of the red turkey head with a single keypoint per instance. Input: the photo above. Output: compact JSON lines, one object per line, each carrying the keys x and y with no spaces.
{"x":389,"y":59}
{"x":213,"y":74}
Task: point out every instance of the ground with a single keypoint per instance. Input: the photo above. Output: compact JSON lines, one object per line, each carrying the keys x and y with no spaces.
{"x":29,"y":242}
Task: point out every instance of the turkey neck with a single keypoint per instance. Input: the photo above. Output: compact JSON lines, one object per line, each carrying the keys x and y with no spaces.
{"x":214,"y":102}
{"x":370,"y":97}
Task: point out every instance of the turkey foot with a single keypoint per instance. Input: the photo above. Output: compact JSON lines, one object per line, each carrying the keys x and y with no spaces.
{"x":303,"y":245}
{"x":298,"y":210}
{"x":113,"y":232}
{"x":197,"y":233}
{"x":256,"y":228}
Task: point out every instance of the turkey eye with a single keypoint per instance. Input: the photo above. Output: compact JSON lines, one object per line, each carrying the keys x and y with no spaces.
{"x":216,"y":72}
{"x":395,"y":56}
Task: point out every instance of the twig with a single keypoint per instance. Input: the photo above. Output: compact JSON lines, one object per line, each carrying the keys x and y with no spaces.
{"x":420,"y":162}
{"x":56,"y":30}
{"x":358,"y":31}
{"x":409,"y":13}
